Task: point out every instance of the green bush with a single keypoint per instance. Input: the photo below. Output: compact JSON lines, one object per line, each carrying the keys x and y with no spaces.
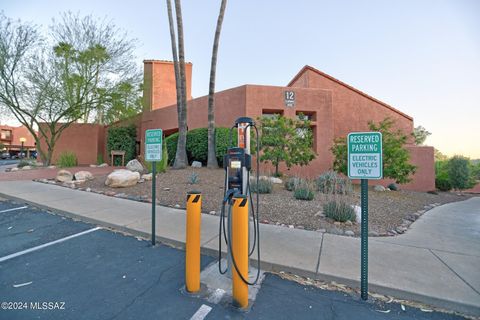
{"x":442,"y":183}
{"x":292,"y":182}
{"x":331,"y":182}
{"x":197,"y":144}
{"x":460,"y":173}
{"x":160,"y":166}
{"x":393,"y":187}
{"x":264,"y":185}
{"x":122,"y":138}
{"x":339,"y":210}
{"x":67,"y":159}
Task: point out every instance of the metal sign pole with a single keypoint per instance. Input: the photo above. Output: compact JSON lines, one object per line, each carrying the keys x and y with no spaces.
{"x":364,"y":240}
{"x":154,"y":199}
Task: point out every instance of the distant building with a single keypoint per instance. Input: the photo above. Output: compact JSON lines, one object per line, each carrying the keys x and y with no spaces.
{"x":11,"y":138}
{"x":334,"y":108}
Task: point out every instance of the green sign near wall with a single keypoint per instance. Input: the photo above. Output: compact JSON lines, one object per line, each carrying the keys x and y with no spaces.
{"x":153,"y":145}
{"x":365,"y":155}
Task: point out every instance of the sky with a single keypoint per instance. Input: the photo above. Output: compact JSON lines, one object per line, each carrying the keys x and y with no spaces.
{"x":420,"y":56}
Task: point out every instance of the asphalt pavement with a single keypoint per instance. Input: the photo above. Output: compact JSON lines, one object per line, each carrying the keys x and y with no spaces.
{"x":52,"y":267}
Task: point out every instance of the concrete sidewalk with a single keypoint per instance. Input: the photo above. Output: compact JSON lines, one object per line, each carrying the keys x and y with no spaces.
{"x":435,"y":262}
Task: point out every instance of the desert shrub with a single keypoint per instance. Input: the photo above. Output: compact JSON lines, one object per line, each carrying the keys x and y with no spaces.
{"x":193,"y":178}
{"x":304,"y":192}
{"x":442,"y":183}
{"x":122,"y":138}
{"x":160,"y":166}
{"x":339,"y":210}
{"x":197,"y":144}
{"x":331,"y":182}
{"x":292,"y":182}
{"x":263,"y":186}
{"x":67,"y":159}
{"x":393,"y":187}
{"x":24,"y":163}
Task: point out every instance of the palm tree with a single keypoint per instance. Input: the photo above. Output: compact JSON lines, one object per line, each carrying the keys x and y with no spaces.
{"x":212,"y":157}
{"x":179,"y":66}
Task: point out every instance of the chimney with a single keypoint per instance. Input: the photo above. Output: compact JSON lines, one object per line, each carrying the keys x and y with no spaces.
{"x":159,"y":89}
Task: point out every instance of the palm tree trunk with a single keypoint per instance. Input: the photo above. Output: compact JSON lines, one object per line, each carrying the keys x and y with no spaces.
{"x":181,"y":155}
{"x":212,"y":162}
{"x":175,"y":58}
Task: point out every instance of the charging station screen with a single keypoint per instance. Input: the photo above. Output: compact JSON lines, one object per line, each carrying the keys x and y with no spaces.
{"x":235,"y":164}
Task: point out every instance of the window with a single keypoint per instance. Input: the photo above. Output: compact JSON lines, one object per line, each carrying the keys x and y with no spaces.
{"x":6,"y":134}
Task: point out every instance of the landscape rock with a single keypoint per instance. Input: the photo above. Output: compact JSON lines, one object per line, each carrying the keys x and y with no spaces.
{"x":358,"y":214}
{"x":373,"y":234}
{"x":196,"y":164}
{"x":14,"y":169}
{"x":348,"y":223}
{"x":349,"y":233}
{"x":147,"y":176}
{"x":88,"y":189}
{"x":166,"y":189}
{"x":27,"y":168}
{"x":400,"y":229}
{"x":212,"y":213}
{"x":64,"y":176}
{"x":379,"y":188}
{"x":135,"y":166}
{"x":93,"y":166}
{"x":52,"y":167}
{"x":319,"y":214}
{"x":102,"y":165}
{"x":291,"y":226}
{"x":177,"y":206}
{"x":83,"y":175}
{"x":276,"y":180}
{"x":321,"y":230}
{"x":122,"y":178}
{"x":336,"y":231}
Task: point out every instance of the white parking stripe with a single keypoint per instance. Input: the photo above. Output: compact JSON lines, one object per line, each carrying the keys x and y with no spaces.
{"x":201,"y":313}
{"x":13,"y":209}
{"x":20,"y":253}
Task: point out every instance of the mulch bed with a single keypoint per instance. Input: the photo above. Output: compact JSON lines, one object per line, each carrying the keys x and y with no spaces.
{"x":390,"y":212}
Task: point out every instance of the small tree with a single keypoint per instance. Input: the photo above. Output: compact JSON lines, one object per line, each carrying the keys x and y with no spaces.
{"x":396,"y":158}
{"x":420,"y":134}
{"x":286,"y":140}
{"x":459,"y":173}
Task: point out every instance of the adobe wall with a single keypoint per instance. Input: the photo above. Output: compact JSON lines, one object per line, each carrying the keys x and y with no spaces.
{"x":229,"y":105}
{"x":352,"y":109}
{"x":159,"y":84}
{"x":83,"y":139}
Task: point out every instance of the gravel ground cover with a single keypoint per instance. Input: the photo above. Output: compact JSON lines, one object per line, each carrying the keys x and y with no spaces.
{"x":390,"y":212}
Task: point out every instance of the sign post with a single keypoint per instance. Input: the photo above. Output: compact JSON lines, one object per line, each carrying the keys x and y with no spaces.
{"x":365,"y":162}
{"x":153,"y":153}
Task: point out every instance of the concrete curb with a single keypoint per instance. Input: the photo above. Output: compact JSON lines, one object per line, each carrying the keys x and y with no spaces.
{"x":269,"y":266}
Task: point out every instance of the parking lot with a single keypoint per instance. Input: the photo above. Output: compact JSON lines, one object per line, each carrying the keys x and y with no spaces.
{"x":52,"y":267}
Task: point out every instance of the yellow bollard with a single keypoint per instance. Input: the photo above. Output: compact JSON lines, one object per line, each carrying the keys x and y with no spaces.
{"x":239,"y":240}
{"x":192,"y":250}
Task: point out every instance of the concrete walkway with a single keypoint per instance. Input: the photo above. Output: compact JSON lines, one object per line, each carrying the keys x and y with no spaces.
{"x":436,"y":262}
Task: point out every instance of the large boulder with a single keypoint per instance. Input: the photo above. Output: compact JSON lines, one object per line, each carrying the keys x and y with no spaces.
{"x":135,"y":165}
{"x":83,"y":175}
{"x":64,"y":176}
{"x":122,"y":178}
{"x":147,"y":177}
{"x":196,"y":164}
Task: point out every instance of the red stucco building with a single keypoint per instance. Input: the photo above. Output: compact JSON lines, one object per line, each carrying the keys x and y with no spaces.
{"x":335,"y":109}
{"x":11,"y":138}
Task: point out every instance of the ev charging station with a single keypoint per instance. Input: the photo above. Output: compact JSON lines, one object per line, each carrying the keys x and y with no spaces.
{"x":234,"y":223}
{"x":237,"y":206}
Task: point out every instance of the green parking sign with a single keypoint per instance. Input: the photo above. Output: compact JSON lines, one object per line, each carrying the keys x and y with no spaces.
{"x":365,"y":155}
{"x":153,"y":145}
